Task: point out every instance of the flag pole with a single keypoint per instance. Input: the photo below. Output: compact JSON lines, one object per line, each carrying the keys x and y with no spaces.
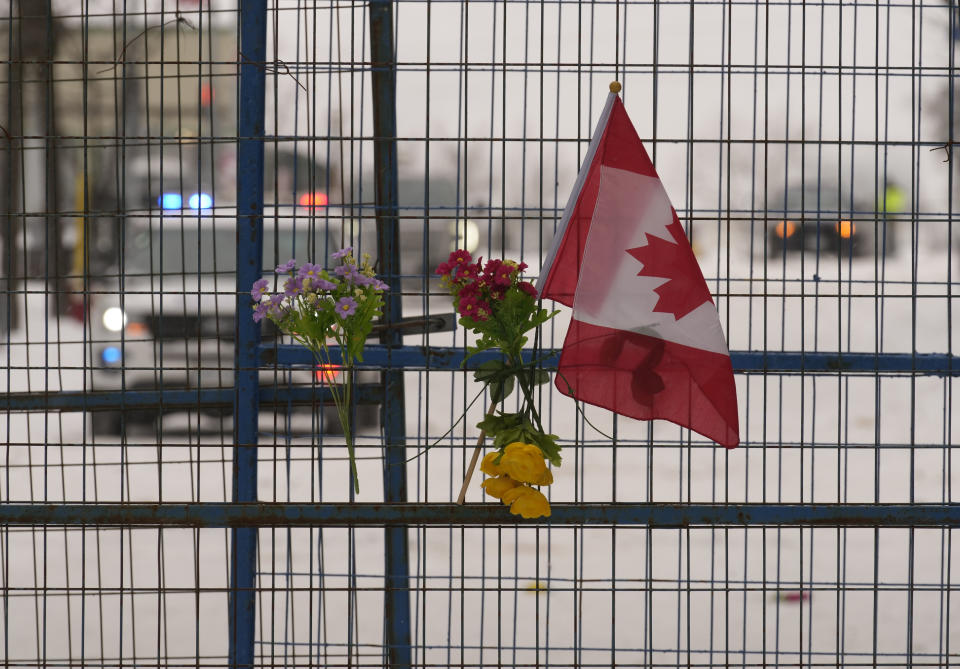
{"x":547,"y":267}
{"x":473,"y":460}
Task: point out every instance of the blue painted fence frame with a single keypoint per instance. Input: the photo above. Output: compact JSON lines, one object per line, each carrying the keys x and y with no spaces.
{"x":250,"y":132}
{"x":654,"y":515}
{"x":383,"y":77}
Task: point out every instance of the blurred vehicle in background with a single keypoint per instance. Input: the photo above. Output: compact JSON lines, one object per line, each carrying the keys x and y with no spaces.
{"x":435,"y":221}
{"x":435,"y":218}
{"x":170,"y":322}
{"x":816,"y":220}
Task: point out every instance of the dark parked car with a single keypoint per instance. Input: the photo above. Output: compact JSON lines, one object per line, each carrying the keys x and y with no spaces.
{"x":817,"y":220}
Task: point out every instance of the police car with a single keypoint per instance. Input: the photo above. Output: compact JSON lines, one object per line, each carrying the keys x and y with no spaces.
{"x":168,"y":319}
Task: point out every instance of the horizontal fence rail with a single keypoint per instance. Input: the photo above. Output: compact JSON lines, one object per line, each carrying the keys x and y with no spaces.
{"x":213,"y":515}
{"x":744,"y":362}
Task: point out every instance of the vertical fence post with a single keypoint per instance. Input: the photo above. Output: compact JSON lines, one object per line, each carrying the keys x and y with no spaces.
{"x":397,"y":568}
{"x":250,"y":129}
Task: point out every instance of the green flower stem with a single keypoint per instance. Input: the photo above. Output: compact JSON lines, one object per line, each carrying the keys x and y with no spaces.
{"x":345,"y":410}
{"x":515,"y":360}
{"x":342,"y":402}
{"x":527,"y":391}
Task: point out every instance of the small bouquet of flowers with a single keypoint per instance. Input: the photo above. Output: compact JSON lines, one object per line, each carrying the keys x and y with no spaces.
{"x":497,"y":305}
{"x":319,"y":310}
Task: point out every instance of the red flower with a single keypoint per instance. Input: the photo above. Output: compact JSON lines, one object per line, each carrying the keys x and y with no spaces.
{"x":482,"y":311}
{"x":528,"y":288}
{"x":459,"y":258}
{"x":444,"y":268}
{"x":468,"y":306}
{"x":491,"y":269}
{"x":468,"y":272}
{"x":471,"y":289}
{"x":504,"y":275}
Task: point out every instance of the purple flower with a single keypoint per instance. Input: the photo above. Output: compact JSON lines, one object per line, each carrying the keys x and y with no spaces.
{"x":260,"y":311}
{"x":291,"y":287}
{"x":316,"y":283}
{"x":345,"y":306}
{"x":360,"y":279}
{"x":344,"y":270}
{"x":342,"y":253}
{"x":308,"y":271}
{"x":259,"y":289}
{"x":380,"y":285}
{"x":275,"y":306}
{"x":286,"y":267}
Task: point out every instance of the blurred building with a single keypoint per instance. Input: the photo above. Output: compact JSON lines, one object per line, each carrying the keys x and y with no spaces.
{"x":104,"y":115}
{"x":156,"y":99}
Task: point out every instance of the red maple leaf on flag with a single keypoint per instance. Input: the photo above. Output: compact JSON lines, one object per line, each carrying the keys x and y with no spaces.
{"x":686,"y":290}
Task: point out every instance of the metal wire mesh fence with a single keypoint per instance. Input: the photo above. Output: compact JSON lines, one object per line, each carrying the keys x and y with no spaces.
{"x":175,"y":482}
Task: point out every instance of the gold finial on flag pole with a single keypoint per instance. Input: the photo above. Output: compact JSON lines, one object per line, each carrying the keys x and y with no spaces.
{"x":615,"y":87}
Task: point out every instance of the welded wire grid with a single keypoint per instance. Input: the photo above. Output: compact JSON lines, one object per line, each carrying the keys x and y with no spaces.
{"x":761,"y":118}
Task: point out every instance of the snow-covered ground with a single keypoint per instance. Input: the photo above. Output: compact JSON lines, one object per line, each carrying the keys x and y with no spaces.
{"x":548,"y":595}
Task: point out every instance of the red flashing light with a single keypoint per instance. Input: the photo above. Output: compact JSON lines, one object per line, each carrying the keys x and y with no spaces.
{"x":327,"y":373}
{"x":206,"y":94}
{"x":316,"y":199}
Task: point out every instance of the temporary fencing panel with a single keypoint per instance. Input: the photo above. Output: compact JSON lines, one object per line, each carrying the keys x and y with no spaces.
{"x":175,"y":485}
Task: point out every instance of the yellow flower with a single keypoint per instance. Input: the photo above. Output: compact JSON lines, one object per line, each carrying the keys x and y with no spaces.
{"x":497,"y":487}
{"x":526,"y":502}
{"x":523,"y":462}
{"x":487,"y":466}
{"x":546,"y":479}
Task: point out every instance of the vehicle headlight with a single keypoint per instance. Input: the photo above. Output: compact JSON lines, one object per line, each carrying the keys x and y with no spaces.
{"x":114,"y":319}
{"x":466,"y":235}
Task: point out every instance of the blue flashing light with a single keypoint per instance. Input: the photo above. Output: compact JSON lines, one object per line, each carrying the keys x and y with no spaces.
{"x":200,"y":201}
{"x":111,"y":355}
{"x":171,"y":201}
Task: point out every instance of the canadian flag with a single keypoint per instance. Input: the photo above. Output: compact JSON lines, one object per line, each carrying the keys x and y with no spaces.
{"x":645,"y":340}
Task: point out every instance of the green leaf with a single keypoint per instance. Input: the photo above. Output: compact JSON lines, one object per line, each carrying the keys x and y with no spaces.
{"x":491,"y":424}
{"x":547,"y":443}
{"x":489,"y":370}
{"x":479,"y":348}
{"x":508,"y":436}
{"x":538,"y":377}
{"x":501,"y":389}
